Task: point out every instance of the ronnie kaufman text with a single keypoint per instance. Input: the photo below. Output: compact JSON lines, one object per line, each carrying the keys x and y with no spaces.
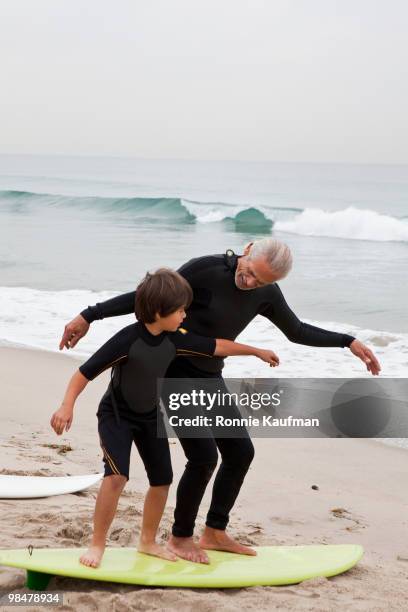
{"x":250,"y":421}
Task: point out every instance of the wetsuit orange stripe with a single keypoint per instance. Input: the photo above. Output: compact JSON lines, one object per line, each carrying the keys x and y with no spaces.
{"x":111,"y":463}
{"x":110,"y":460}
{"x":111,"y":364}
{"x":179,"y":351}
{"x":108,"y":457}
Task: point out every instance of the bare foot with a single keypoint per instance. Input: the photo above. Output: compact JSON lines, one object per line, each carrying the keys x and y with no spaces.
{"x":152,"y":548}
{"x":216,"y":539}
{"x":187,"y":549}
{"x":93,"y":556}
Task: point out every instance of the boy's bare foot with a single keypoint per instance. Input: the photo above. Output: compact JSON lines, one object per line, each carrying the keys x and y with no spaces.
{"x":187,"y":549}
{"x":152,"y":548}
{"x":93,"y":556}
{"x":217,"y":539}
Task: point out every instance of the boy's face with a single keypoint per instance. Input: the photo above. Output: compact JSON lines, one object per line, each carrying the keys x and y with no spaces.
{"x":172,"y":321}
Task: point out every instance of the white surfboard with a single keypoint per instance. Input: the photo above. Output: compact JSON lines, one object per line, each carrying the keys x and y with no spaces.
{"x":23,"y":487}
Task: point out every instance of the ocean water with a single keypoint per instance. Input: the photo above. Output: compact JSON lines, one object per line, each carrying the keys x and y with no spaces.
{"x":77,"y":230}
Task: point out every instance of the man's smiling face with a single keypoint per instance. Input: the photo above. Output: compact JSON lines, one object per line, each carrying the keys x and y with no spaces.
{"x":251,"y":274}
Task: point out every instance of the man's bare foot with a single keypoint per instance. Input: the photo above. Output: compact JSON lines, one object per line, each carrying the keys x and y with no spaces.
{"x":152,"y":548}
{"x":93,"y":556}
{"x":187,"y":549}
{"x":216,"y":539}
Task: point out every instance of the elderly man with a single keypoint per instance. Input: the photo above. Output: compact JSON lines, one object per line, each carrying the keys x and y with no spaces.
{"x":229,"y":291}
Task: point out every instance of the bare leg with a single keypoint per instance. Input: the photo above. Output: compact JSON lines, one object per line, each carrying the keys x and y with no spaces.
{"x":218,"y":539}
{"x":153,"y":509}
{"x":187,"y":549}
{"x":105,"y":509}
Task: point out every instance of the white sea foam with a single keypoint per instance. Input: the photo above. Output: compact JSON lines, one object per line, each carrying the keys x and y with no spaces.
{"x":36,"y":319}
{"x":297,"y":360}
{"x":350,"y":223}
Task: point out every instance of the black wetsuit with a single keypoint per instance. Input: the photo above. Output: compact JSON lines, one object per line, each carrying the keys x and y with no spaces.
{"x":128,"y":410}
{"x":220,"y":310}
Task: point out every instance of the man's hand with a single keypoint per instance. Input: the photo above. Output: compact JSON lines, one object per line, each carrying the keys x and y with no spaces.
{"x":365,"y":354}
{"x":268,"y":356}
{"x":73,"y":332}
{"x":62,"y":419}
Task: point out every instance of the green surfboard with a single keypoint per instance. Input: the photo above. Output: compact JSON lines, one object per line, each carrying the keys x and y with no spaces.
{"x":273,"y":565}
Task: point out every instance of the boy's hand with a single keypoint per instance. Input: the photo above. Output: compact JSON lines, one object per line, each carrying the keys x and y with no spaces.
{"x":268,"y":356}
{"x":62,"y":419}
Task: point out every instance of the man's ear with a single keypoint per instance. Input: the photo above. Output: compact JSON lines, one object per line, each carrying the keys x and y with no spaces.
{"x":247,"y":248}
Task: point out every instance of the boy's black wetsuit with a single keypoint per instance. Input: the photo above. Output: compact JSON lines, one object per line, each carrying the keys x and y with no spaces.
{"x":219,"y":309}
{"x":127,"y":411}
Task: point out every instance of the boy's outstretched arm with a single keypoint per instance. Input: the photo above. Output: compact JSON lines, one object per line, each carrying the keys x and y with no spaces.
{"x":191,"y":344}
{"x":228,"y":348}
{"x":62,"y":418}
{"x":114,"y":351}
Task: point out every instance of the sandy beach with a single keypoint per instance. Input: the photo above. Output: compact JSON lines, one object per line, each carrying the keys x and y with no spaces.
{"x":361,"y":498}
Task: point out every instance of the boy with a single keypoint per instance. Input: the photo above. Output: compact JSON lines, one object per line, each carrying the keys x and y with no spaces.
{"x":139,"y":354}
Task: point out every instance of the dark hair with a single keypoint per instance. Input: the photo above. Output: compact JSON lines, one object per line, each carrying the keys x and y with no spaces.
{"x":162,"y":292}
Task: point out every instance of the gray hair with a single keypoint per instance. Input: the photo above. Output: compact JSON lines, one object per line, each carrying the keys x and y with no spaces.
{"x":277,"y":254}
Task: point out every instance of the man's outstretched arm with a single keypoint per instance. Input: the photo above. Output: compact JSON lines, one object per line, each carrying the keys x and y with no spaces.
{"x":295,"y":330}
{"x":122,"y":304}
{"x":114,"y":307}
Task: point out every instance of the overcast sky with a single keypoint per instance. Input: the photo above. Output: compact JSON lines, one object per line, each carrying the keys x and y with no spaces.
{"x":284,"y":80}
